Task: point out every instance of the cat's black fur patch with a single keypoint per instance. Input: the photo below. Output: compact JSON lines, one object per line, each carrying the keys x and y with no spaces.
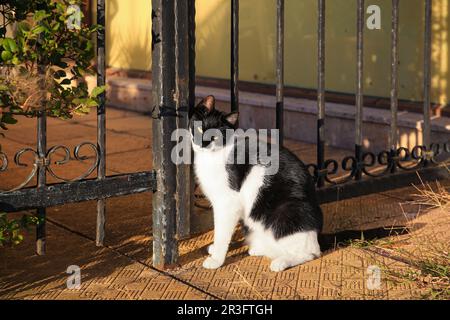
{"x":287,"y":201}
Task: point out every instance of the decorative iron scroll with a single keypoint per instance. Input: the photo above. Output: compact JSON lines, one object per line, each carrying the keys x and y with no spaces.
{"x":387,"y":161}
{"x":47,"y":162}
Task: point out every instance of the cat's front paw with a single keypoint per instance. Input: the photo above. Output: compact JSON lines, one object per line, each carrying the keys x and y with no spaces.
{"x":211,"y":250}
{"x":278,"y":265}
{"x":211,"y":263}
{"x":255,"y":252}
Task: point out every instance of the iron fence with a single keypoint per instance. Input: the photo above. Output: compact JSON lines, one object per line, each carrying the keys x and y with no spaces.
{"x":400,"y":165}
{"x":80,"y":189}
{"x":173,"y":85}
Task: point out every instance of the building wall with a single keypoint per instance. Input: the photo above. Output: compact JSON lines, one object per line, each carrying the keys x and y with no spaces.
{"x":129,"y":45}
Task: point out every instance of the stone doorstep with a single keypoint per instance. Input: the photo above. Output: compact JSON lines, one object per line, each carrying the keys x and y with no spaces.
{"x":135,"y":94}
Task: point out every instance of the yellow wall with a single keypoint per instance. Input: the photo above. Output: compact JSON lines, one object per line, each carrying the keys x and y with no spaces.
{"x":128,"y":35}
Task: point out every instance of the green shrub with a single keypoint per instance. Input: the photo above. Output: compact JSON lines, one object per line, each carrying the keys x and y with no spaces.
{"x":11,"y":230}
{"x":43,"y":63}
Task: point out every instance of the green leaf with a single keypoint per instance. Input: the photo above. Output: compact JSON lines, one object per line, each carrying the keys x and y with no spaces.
{"x":61,"y":64}
{"x":97,"y":91}
{"x":8,"y":119}
{"x":56,"y":26}
{"x":23,"y":26}
{"x":60,"y":74}
{"x":6,"y":55}
{"x":40,"y":15}
{"x":9,"y":45}
{"x":92,"y":103}
{"x":78,"y":101}
{"x":15,"y":60}
{"x":65,"y":82}
{"x":38,"y":30}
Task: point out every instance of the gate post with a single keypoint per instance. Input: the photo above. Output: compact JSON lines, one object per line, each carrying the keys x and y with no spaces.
{"x":184,"y":100}
{"x":173,"y":77}
{"x":165,"y":247}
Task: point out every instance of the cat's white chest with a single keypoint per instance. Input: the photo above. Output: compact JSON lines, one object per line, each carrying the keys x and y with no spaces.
{"x":210,"y":169}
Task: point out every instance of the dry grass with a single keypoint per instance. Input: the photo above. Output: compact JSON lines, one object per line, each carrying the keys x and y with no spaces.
{"x":426,"y":257}
{"x":429,"y":272}
{"x":423,"y":254}
{"x":26,"y":86}
{"x":437,"y":197}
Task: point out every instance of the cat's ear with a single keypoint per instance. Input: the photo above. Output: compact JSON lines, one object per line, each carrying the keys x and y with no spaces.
{"x":208,"y":102}
{"x":232,"y":118}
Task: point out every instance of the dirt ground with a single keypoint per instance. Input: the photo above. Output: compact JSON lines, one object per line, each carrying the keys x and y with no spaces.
{"x":122,"y":269}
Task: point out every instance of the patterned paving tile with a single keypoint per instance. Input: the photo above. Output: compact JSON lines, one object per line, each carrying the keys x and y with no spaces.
{"x":123,"y":269}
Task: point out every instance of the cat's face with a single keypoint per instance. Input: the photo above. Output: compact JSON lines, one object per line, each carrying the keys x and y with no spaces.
{"x":209,"y":127}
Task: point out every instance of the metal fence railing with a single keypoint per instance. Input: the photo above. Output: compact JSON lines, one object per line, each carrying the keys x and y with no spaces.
{"x":45,"y":195}
{"x":386,"y":166}
{"x":173,"y":85}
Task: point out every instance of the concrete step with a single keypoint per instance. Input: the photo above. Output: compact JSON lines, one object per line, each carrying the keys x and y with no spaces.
{"x":258,"y":111}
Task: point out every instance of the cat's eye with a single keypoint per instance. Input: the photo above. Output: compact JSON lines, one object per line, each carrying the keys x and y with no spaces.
{"x":200,"y":130}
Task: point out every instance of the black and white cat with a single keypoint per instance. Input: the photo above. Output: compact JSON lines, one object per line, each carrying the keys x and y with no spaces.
{"x":279,"y":210}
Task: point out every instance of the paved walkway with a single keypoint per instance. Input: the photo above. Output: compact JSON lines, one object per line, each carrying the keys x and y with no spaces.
{"x":122,"y":269}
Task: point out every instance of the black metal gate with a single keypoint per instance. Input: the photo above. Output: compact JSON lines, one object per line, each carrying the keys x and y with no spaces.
{"x":173,"y":78}
{"x":79,"y":189}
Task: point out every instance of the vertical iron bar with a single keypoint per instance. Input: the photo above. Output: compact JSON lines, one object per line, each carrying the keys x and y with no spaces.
{"x":101,"y":120}
{"x":359,"y":88}
{"x":427,"y":75}
{"x":42,"y":166}
{"x":191,"y":42}
{"x":394,"y":82}
{"x":182,"y":75}
{"x":165,"y":247}
{"x":234,"y":55}
{"x":321,"y":94}
{"x":192,"y":90}
{"x":280,"y":70}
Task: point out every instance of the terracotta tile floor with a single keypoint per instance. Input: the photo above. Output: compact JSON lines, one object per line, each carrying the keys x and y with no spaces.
{"x":122,"y":269}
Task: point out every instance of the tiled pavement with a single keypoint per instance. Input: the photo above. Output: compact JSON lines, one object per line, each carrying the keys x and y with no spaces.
{"x":122,"y":269}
